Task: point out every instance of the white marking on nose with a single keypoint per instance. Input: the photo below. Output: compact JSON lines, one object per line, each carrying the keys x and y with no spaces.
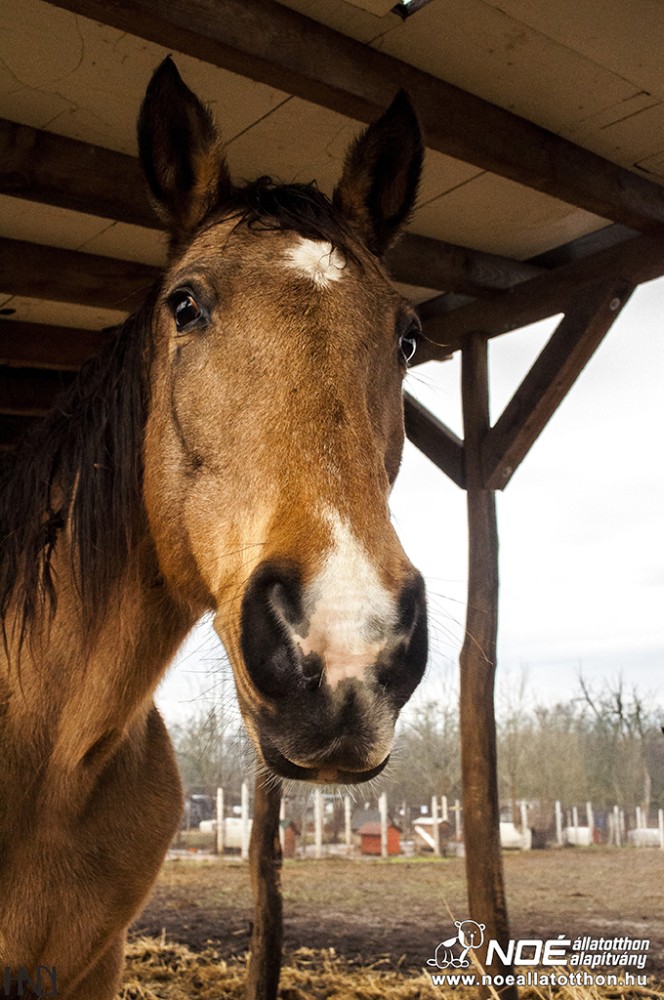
{"x":349,"y":610}
{"x":317,"y":260}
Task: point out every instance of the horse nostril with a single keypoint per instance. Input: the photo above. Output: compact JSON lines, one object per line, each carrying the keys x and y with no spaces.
{"x":411,"y":607}
{"x":270,"y":608}
{"x":404,"y":666}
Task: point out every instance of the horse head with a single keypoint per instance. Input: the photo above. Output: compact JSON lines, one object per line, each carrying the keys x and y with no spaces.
{"x":275,"y":431}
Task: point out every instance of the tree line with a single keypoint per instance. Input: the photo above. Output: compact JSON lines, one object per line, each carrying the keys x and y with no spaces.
{"x":603,"y":744}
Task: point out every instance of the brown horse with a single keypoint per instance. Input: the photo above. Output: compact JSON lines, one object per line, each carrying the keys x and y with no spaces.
{"x":232,"y":450}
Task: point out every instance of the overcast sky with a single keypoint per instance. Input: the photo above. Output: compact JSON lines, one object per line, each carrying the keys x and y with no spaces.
{"x":581,"y":524}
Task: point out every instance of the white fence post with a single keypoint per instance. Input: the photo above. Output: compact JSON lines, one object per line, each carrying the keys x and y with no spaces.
{"x":435,"y":827}
{"x":616,"y":826}
{"x":382,"y":808}
{"x":660,"y":823}
{"x":457,"y":819}
{"x":575,"y":824}
{"x":220,"y":821}
{"x":444,"y":814}
{"x":318,"y":823}
{"x":559,"y":824}
{"x":282,"y":817}
{"x":347,"y":824}
{"x":639,"y":818}
{"x":524,"y":825}
{"x":590,"y":818}
{"x":244,"y":850}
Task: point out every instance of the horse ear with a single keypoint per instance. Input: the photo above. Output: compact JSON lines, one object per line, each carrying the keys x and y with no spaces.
{"x":181,"y":151}
{"x":381,"y":174}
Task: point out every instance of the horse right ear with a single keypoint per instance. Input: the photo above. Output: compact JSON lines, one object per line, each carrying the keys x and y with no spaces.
{"x":181,"y":152}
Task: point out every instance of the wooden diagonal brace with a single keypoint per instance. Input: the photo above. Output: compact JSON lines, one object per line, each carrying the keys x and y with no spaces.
{"x":549,"y":380}
{"x":434,"y":439}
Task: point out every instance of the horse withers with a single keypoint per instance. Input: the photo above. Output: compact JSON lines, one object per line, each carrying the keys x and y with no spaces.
{"x":232,"y":450}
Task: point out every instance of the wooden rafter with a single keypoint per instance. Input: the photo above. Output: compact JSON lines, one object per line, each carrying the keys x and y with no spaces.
{"x":31,"y":393}
{"x":44,"y":272}
{"x":634,"y":261}
{"x":12,"y":429}
{"x":75,"y":175}
{"x":270,"y":43}
{"x":38,"y":345}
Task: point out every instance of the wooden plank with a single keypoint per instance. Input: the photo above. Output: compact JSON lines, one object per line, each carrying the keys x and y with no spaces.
{"x":481,"y":807}
{"x":637,"y":260}
{"x":553,"y":374}
{"x":420,"y":260}
{"x":37,"y":345}
{"x":272,"y":44}
{"x":30,"y":393}
{"x":434,"y":439}
{"x":44,"y":272}
{"x":70,"y":174}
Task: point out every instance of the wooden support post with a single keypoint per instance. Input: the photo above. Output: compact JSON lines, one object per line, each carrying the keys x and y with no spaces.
{"x":265,"y":867}
{"x":481,"y":813}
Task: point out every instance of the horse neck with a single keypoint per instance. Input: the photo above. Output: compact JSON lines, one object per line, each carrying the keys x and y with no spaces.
{"x":79,"y":690}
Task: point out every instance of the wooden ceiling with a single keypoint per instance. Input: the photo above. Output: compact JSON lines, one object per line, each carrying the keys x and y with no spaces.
{"x":545,"y":164}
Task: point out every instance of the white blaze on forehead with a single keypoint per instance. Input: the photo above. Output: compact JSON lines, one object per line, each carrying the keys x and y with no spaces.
{"x":317,"y":260}
{"x":349,"y":610}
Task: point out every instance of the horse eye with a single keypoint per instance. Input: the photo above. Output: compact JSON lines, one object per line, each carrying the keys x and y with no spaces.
{"x":408,"y":342}
{"x":186,"y":310}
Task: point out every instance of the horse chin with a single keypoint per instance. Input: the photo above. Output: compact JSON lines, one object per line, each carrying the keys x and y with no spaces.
{"x":323,"y":774}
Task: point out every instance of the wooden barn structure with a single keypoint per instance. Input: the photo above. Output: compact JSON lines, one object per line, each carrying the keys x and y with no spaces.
{"x":542,"y":195}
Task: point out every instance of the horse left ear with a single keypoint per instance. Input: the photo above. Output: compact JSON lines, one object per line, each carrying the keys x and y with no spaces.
{"x":181,"y":152}
{"x":378,"y":186}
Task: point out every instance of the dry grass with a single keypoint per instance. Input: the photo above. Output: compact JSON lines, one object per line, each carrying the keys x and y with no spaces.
{"x":157,"y":970}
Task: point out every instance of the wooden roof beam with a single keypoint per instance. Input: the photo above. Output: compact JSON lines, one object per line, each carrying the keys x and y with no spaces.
{"x":38,"y":345}
{"x":634,"y":261}
{"x":12,"y":430}
{"x":43,"y":272}
{"x":30,"y":393}
{"x":78,"y":176}
{"x":272,"y":44}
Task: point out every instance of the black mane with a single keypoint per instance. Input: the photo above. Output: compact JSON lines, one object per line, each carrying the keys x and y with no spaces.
{"x":83,"y":465}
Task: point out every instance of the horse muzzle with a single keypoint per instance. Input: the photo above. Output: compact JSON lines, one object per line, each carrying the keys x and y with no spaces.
{"x":330,"y":671}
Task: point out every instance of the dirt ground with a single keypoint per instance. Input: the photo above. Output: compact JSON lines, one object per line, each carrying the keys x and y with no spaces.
{"x":393,"y":913}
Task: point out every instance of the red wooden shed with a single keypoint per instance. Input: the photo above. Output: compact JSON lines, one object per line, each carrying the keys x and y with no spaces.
{"x":370,"y":839}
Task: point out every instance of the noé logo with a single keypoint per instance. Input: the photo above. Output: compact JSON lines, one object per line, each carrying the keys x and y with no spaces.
{"x":469,"y":935}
